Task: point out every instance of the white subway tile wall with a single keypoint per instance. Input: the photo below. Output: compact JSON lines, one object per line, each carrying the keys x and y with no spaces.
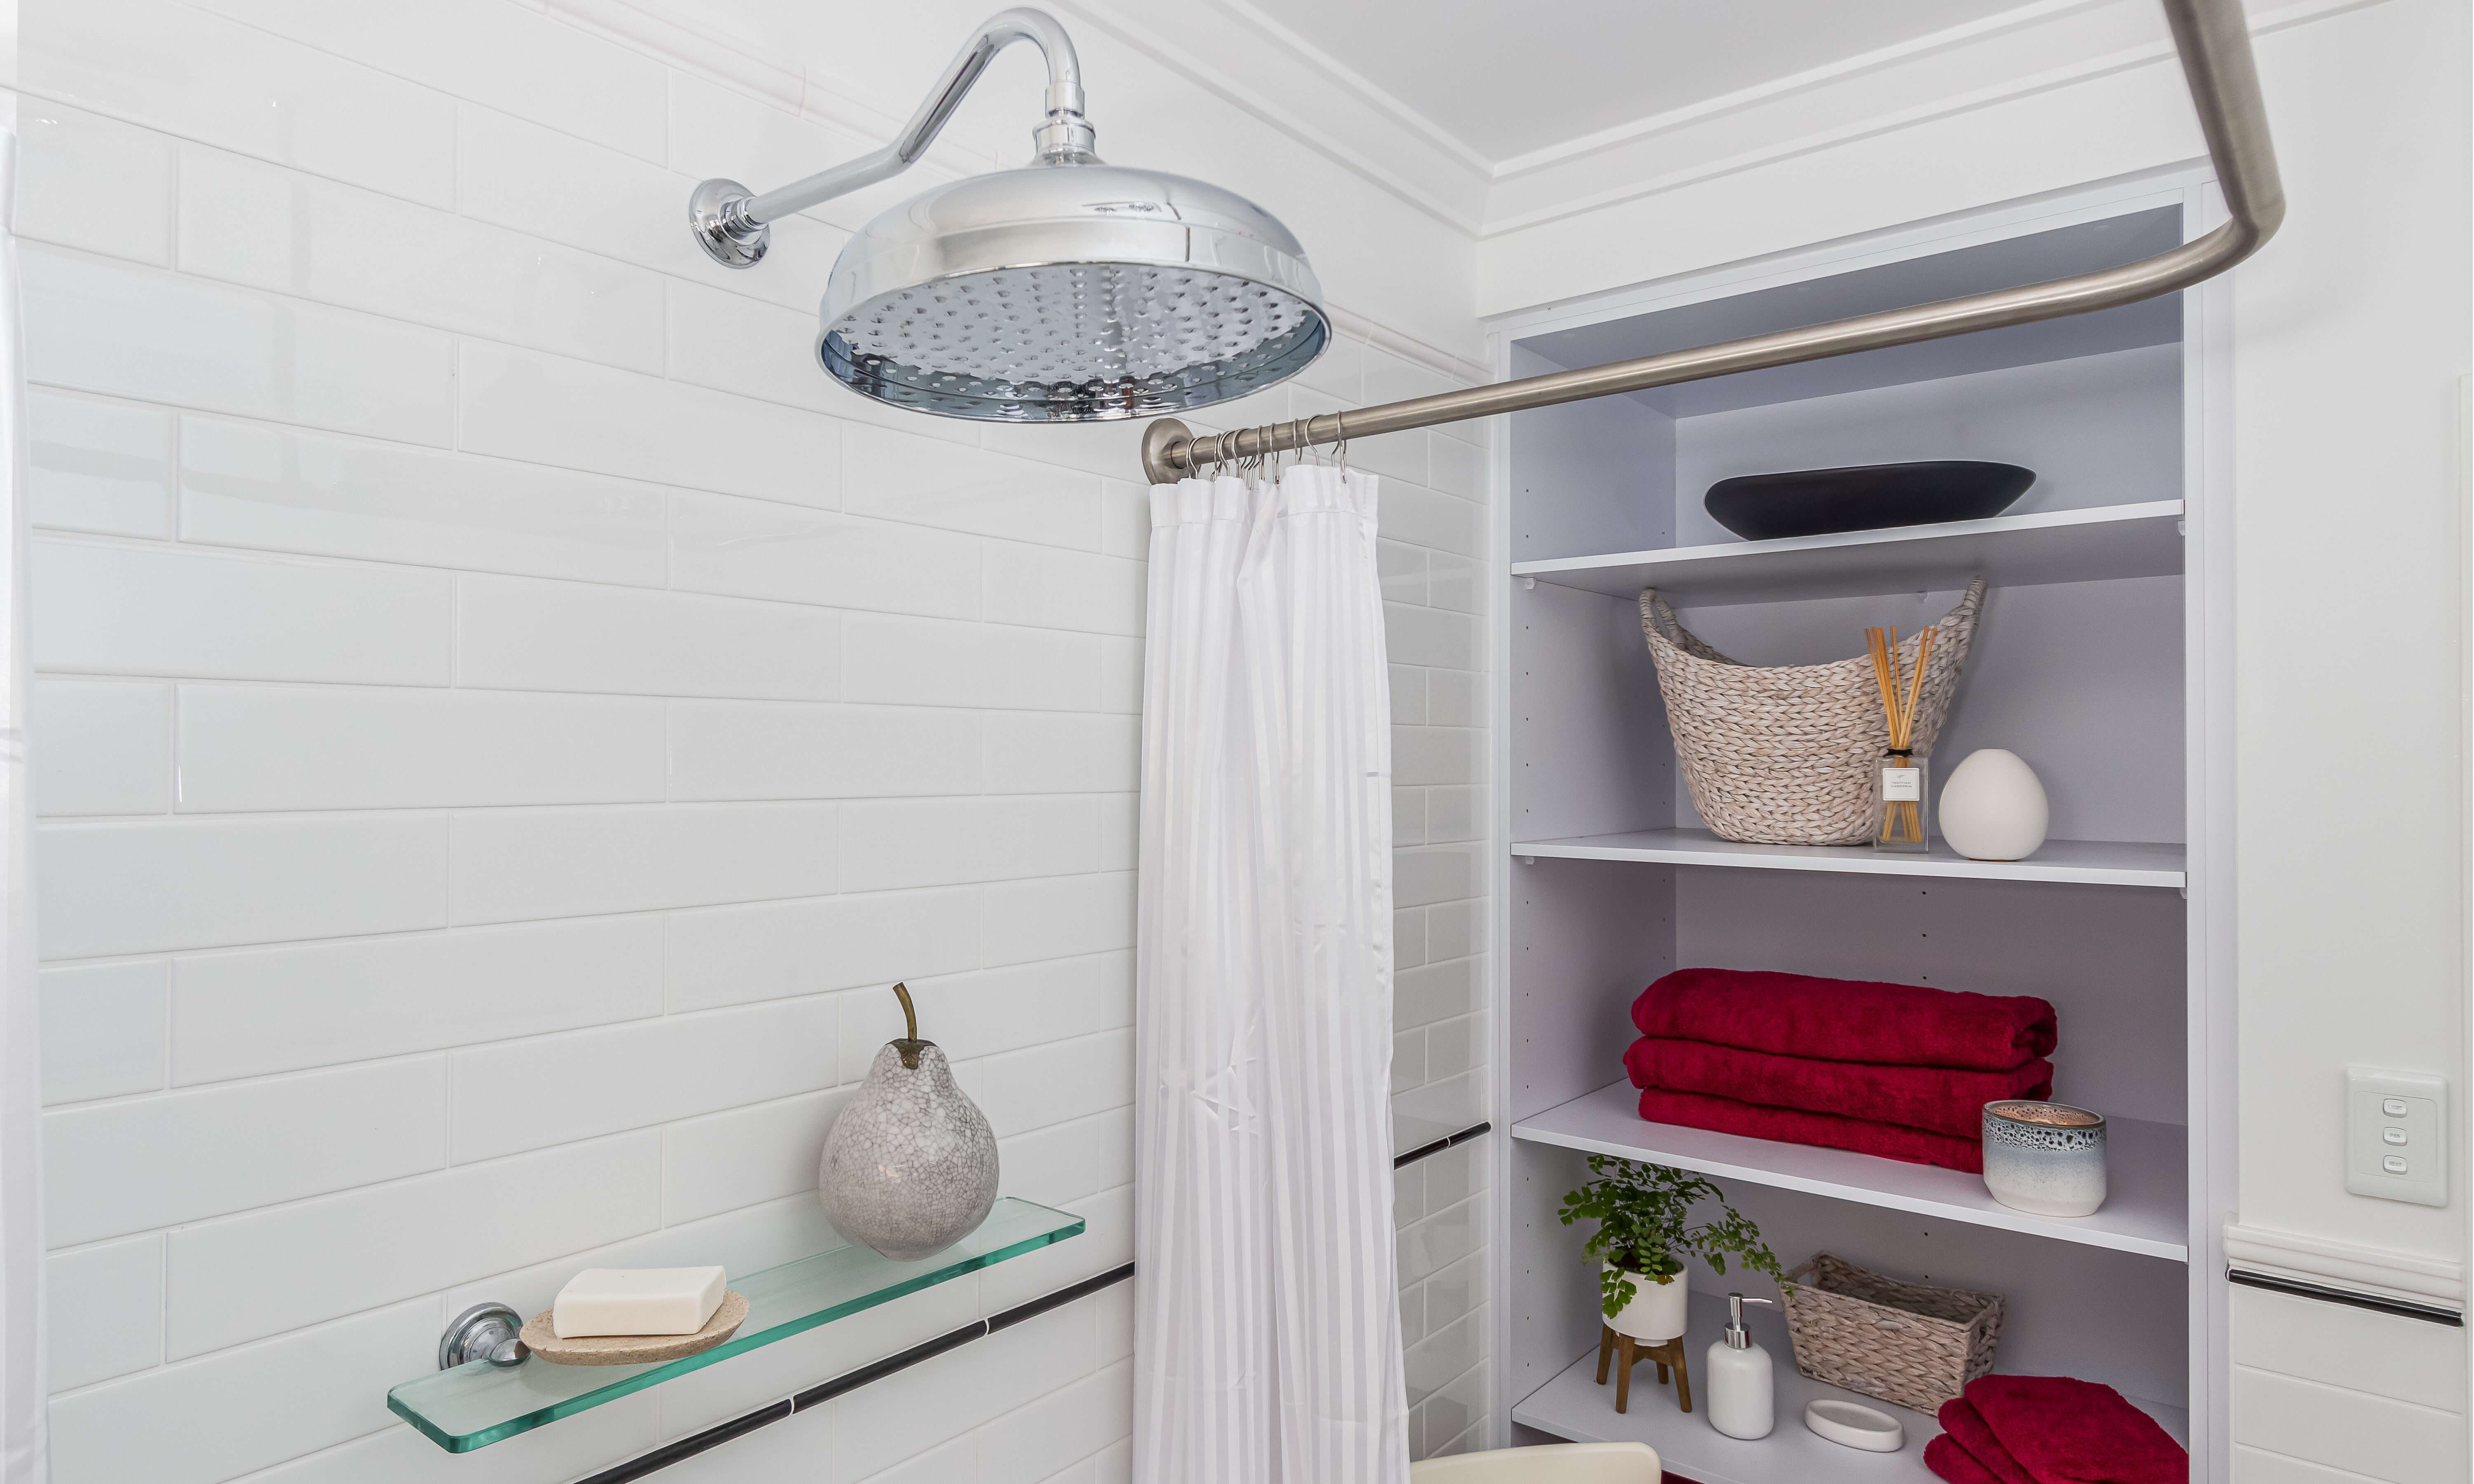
{"x":506,"y":718}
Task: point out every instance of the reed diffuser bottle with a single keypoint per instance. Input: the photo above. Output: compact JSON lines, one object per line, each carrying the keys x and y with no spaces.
{"x":1902,"y":801}
{"x":1901,"y":778}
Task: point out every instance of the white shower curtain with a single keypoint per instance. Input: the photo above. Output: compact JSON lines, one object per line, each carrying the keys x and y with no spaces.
{"x":1267,"y":1344}
{"x":24,"y":1456}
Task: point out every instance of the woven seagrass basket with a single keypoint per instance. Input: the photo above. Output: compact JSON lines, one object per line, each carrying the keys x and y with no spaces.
{"x":1908,"y":1343}
{"x":1785,"y":755}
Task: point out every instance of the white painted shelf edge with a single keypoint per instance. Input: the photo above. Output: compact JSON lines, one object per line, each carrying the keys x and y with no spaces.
{"x":2146,"y":1209}
{"x":1573,"y":1406}
{"x":2085,"y":862}
{"x":2094,"y":544}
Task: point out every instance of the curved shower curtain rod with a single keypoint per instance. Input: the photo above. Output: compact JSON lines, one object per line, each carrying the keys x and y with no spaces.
{"x":2214,"y":42}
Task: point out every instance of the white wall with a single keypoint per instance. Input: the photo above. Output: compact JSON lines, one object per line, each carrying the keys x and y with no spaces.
{"x":2037,"y":98}
{"x":506,"y":717}
{"x":2324,"y":1395}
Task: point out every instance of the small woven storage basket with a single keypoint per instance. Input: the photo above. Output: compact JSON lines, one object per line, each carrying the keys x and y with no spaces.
{"x":1910,"y":1342}
{"x":1785,"y":756}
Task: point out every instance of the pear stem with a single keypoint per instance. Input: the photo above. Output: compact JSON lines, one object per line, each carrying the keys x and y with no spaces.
{"x":910,"y":1044}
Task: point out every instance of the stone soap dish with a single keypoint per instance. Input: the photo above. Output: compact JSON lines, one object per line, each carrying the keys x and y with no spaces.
{"x":1856,"y":1426}
{"x":634,"y":1349}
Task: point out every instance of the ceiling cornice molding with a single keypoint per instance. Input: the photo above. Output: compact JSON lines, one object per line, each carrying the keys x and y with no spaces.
{"x":1868,"y":128}
{"x":2087,"y":69}
{"x":1653,"y":125}
{"x":1360,"y":85}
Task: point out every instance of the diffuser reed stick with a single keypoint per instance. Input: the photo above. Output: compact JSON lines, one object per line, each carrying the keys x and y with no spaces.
{"x":1900,"y":820}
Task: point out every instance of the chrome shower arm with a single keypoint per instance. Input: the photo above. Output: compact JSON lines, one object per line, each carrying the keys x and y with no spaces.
{"x":731,"y":223}
{"x":2214,"y":42}
{"x":1003,"y":28}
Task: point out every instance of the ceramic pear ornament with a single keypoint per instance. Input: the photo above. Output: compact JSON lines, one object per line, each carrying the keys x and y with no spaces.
{"x":1993,"y":808}
{"x":911,"y":1166}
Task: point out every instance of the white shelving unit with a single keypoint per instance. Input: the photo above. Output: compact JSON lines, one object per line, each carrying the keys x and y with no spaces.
{"x":2087,"y":862}
{"x":2087,"y":661}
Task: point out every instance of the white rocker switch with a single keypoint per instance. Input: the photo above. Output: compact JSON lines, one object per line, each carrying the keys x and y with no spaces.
{"x":2396,"y":1136}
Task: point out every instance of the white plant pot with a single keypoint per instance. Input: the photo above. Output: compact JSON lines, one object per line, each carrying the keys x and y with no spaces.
{"x":1657,"y":1311}
{"x":1993,"y":808}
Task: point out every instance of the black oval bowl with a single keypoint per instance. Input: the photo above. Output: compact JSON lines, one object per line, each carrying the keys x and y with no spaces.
{"x":1817,"y":501}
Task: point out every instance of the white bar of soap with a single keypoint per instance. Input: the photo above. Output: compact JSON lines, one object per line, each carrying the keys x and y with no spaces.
{"x":637,"y":1301}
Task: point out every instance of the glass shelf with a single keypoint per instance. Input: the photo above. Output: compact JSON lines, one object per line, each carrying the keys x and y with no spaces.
{"x":476,"y":1405}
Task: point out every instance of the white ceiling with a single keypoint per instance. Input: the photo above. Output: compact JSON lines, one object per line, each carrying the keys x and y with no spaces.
{"x":1508,"y":77}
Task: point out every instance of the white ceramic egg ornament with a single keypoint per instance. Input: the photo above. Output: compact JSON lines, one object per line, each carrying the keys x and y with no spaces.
{"x":1993,"y":808}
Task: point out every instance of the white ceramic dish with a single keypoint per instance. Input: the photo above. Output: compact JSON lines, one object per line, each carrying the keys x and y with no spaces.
{"x":1856,"y":1426}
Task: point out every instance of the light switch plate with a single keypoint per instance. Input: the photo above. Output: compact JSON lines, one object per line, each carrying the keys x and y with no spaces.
{"x":2376,"y":1164}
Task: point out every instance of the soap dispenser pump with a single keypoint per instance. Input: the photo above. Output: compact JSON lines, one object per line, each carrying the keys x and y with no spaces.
{"x":1742,"y":1404}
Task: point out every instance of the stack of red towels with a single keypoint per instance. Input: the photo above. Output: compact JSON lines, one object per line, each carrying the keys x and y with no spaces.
{"x":1891,"y":1069}
{"x":2050,"y":1429}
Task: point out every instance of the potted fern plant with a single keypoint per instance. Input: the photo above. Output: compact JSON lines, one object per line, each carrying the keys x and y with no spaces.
{"x":1645,"y":1233}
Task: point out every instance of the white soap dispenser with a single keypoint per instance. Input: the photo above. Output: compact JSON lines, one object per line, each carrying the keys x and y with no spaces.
{"x":1742,"y":1402}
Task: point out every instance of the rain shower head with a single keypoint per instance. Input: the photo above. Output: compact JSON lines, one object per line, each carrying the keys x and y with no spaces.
{"x":1068,"y":291}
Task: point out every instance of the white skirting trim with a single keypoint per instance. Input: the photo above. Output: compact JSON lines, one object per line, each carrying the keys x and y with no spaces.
{"x":2370,"y":1270}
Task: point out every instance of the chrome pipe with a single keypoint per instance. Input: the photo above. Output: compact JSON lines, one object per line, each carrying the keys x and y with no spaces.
{"x":2214,"y":43}
{"x":1004,"y":28}
{"x":730,"y":222}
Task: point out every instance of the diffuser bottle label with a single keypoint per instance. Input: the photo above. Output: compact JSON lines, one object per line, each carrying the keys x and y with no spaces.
{"x":1902,"y":784}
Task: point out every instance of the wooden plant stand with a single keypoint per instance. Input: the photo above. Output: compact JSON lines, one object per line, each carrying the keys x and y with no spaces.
{"x":1632,"y":1352}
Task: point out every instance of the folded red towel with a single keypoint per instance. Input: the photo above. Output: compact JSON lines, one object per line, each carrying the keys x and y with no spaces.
{"x":2068,"y":1431}
{"x":1943,"y":1099}
{"x":1966,"y":1427}
{"x":1797,"y":1126}
{"x":1944,"y":1457}
{"x":1847,"y":1019}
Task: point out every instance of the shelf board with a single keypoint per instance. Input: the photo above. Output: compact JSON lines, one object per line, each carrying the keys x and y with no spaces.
{"x":2009,"y":551}
{"x":1575,"y":1407}
{"x":2146,"y":1209}
{"x":477,"y":1405}
{"x":2086,"y":862}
